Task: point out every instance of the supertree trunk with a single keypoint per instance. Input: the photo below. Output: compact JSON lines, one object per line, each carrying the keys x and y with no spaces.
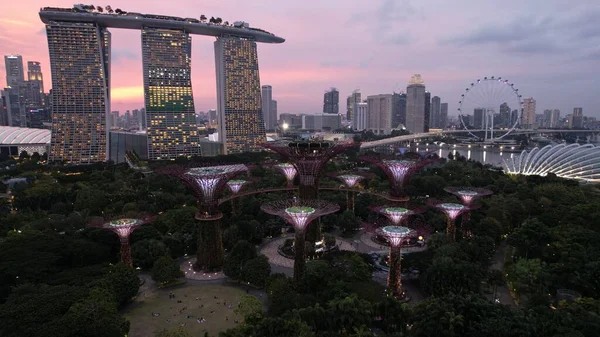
{"x":464,"y":225}
{"x":308,"y":192}
{"x":300,"y":255}
{"x":451,"y":230}
{"x":394,"y":276}
{"x":209,"y":256}
{"x":126,"y":252}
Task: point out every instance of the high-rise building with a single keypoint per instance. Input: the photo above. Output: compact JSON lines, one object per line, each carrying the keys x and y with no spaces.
{"x":293,"y":121}
{"x":415,"y":105}
{"x":427,"y":116}
{"x":213,"y":119}
{"x":267,"y":99}
{"x":354,"y":98}
{"x":15,"y":111}
{"x":443,"y":115}
{"x":273,"y":112}
{"x":241,"y":126}
{"x":398,"y":109}
{"x":3,"y":110}
{"x":434,"y":120}
{"x":504,"y":115}
{"x":479,"y":118}
{"x":80,"y":64}
{"x":331,"y":101}
{"x":171,"y":122}
{"x":578,"y":112}
{"x":14,"y":70}
{"x":575,"y":120}
{"x":551,"y":118}
{"x":321,"y":121}
{"x":34,"y":74}
{"x":380,"y":114}
{"x":528,"y":118}
{"x":360,"y":120}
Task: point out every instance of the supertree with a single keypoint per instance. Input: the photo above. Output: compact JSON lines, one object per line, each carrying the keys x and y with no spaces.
{"x":452,"y":212}
{"x":351,"y":181}
{"x":235,"y":186}
{"x":468,"y":194}
{"x":207,"y":183}
{"x":395,"y":236}
{"x":399,"y":170}
{"x":123,"y":227}
{"x":309,"y":158}
{"x":299,"y":213}
{"x":289,"y":171}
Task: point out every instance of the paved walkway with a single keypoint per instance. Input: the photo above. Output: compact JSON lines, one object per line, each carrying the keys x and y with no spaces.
{"x":502,"y":293}
{"x":269,"y":249}
{"x":187,"y":268}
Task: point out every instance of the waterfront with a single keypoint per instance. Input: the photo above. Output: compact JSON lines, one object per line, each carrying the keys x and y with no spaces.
{"x":492,"y":156}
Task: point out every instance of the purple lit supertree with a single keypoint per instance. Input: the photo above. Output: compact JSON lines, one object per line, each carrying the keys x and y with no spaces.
{"x":399,"y":170}
{"x":123,"y":227}
{"x":452,"y":212}
{"x":468,"y":194}
{"x":395,"y":236}
{"x":299,"y":213}
{"x":289,"y":171}
{"x":235,"y":186}
{"x":207,"y":182}
{"x":309,"y":158}
{"x":351,"y":181}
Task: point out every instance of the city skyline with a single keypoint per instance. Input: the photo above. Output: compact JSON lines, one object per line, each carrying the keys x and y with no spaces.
{"x":547,"y":56}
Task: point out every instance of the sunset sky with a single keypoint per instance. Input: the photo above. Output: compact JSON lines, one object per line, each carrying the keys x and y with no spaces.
{"x":549,"y":49}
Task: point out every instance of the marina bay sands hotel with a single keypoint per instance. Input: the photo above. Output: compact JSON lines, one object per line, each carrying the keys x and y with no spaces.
{"x":80,"y":50}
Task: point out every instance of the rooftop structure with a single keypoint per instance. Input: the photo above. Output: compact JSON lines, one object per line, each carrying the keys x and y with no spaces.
{"x":14,"y":140}
{"x":400,"y":170}
{"x":468,"y":194}
{"x":131,"y":20}
{"x":299,"y":213}
{"x":573,"y":161}
{"x":309,"y":157}
{"x":289,"y":171}
{"x":395,"y":236}
{"x":123,"y":227}
{"x":207,"y":183}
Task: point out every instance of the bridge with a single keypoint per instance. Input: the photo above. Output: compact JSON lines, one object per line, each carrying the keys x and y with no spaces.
{"x":325,"y":188}
{"x":412,"y":137}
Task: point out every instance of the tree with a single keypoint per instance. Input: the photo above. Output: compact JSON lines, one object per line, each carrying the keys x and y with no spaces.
{"x":348,"y":221}
{"x":202,"y":18}
{"x":234,"y":262}
{"x":122,"y":281}
{"x":527,"y":276}
{"x":495,"y":279}
{"x":530,"y":239}
{"x":179,"y":332}
{"x":249,"y":306}
{"x":166,"y":270}
{"x":146,"y":252}
{"x":256,"y":271}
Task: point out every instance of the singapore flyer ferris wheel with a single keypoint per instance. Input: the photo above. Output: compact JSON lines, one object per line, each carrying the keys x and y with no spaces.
{"x":491,"y":105}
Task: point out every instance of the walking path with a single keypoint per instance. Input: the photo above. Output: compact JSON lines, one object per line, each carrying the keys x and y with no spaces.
{"x":270,"y":250}
{"x":187,"y":267}
{"x":502,"y":292}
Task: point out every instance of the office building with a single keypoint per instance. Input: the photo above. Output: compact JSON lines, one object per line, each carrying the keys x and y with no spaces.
{"x":213,"y":119}
{"x":170,"y":114}
{"x":504,"y":116}
{"x":575,"y":120}
{"x":273,"y":113}
{"x":528,"y":118}
{"x":380,"y":114}
{"x":241,"y":125}
{"x":443,"y":116}
{"x":427,"y":116}
{"x":360,"y":120}
{"x":14,"y":70}
{"x":551,"y":118}
{"x":267,"y":102}
{"x":479,"y":118}
{"x":3,"y":110}
{"x":434,"y":119}
{"x":331,"y":101}
{"x":398,"y":109}
{"x":293,"y":121}
{"x":415,"y":105}
{"x":121,"y":142}
{"x":354,"y":98}
{"x":322,"y":122}
{"x":34,"y":74}
{"x":80,"y":64}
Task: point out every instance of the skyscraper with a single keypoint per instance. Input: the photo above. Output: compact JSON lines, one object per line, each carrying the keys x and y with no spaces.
{"x":273,"y":112}
{"x":443,"y":115}
{"x":213,"y":119}
{"x":380,"y":114}
{"x":14,"y":70}
{"x":415,"y":105}
{"x":171,"y":122}
{"x":267,"y":97}
{"x":354,"y":98}
{"x":80,"y":64}
{"x":504,"y":115}
{"x":434,"y":121}
{"x":241,"y":126}
{"x":427,"y":113}
{"x":398,"y":109}
{"x":34,"y":74}
{"x":331,"y":101}
{"x":528,"y":118}
{"x":479,"y":118}
{"x":360,"y":120}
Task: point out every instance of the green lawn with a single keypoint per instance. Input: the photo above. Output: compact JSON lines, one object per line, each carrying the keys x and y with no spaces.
{"x":143,"y":324}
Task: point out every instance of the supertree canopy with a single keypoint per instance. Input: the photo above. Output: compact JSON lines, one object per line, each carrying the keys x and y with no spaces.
{"x":235,"y":186}
{"x":123,"y":227}
{"x":289,"y":171}
{"x":395,"y":236}
{"x":351,"y":180}
{"x":309,"y":157}
{"x":299,"y":213}
{"x":468,"y":194}
{"x":395,"y":214}
{"x":399,"y":170}
{"x":207,"y":182}
{"x":452,"y":212}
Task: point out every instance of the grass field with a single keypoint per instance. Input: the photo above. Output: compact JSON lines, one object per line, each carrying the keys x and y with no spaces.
{"x":199,"y":301}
